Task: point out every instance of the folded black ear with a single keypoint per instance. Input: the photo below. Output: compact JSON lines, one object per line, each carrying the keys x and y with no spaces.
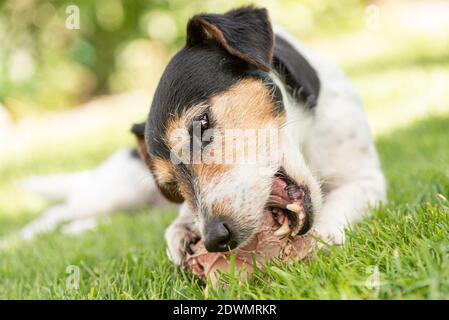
{"x":301,"y":78}
{"x":245,"y":33}
{"x":138,"y":130}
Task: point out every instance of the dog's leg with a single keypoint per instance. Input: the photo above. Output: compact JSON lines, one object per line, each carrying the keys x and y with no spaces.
{"x":348,"y":204}
{"x":49,"y":221}
{"x":77,"y":227}
{"x":120,"y":183}
{"x":180,"y":234}
{"x":58,"y":187}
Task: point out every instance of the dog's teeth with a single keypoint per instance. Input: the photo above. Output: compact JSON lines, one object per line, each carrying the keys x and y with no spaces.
{"x":293,"y":207}
{"x":283,"y":229}
{"x":299,"y":225}
{"x":302,"y":216}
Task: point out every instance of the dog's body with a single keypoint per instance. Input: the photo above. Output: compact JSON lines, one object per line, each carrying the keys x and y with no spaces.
{"x":235,"y":74}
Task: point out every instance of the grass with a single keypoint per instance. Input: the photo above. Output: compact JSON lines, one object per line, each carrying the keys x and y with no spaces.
{"x":404,"y":245}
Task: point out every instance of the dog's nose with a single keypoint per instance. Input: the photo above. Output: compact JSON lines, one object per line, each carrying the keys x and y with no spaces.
{"x":219,"y":237}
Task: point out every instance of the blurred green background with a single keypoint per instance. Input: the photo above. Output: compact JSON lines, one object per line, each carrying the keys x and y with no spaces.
{"x":69,"y":96}
{"x":124,"y":45}
{"x":120,"y":45}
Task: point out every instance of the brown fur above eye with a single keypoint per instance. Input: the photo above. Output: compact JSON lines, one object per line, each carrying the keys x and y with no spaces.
{"x":246,"y":105}
{"x":165,"y":176}
{"x":163,"y":170}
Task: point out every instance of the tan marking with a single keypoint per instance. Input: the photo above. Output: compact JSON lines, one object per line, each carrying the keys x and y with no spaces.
{"x":163,"y":170}
{"x":142,"y":149}
{"x":186,"y":191}
{"x":181,"y":124}
{"x":166,"y":179}
{"x":246,"y":105}
{"x":222,"y":207}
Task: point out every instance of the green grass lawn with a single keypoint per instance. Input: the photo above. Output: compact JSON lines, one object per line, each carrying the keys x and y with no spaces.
{"x":405,"y":245}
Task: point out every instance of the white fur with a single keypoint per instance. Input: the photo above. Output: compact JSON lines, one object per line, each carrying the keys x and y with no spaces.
{"x":180,"y":232}
{"x":339,"y":150}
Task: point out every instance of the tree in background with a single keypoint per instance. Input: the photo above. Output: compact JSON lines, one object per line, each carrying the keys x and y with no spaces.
{"x":120,"y":45}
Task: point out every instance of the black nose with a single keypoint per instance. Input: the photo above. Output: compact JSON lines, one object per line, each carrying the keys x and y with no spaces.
{"x":219,"y":237}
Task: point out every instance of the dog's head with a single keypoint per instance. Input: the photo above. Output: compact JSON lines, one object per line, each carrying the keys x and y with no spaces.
{"x":216,"y":135}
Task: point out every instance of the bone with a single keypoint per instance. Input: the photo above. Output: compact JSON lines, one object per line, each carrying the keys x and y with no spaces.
{"x":263,"y":247}
{"x":294,"y":207}
{"x":283,"y":229}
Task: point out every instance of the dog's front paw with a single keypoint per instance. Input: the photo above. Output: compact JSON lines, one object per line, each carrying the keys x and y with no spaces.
{"x":179,"y":237}
{"x":330,"y":234}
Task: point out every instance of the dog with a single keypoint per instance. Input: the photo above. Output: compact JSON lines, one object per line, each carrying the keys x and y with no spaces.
{"x":237,"y":73}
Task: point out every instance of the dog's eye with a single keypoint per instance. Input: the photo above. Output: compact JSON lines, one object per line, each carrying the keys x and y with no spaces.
{"x":204,"y":122}
{"x":201,"y":123}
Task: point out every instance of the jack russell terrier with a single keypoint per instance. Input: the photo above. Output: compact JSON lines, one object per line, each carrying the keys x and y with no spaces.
{"x":236,"y":88}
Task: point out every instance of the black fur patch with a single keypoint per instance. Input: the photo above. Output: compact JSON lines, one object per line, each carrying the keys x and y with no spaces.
{"x":138,"y":129}
{"x":134,"y":154}
{"x":299,"y":76}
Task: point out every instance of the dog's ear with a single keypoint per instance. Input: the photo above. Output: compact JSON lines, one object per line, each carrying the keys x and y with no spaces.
{"x":138,"y":130}
{"x":301,"y":78}
{"x":245,"y":33}
{"x":171,"y":192}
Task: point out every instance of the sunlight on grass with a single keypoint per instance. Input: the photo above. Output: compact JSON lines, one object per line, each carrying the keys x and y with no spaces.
{"x":406,"y":92}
